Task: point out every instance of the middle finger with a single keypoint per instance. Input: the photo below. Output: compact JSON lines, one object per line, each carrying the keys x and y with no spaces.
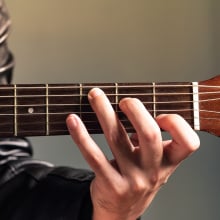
{"x":148,"y":131}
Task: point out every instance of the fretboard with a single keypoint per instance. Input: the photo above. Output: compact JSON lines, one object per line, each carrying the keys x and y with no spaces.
{"x":39,"y":110}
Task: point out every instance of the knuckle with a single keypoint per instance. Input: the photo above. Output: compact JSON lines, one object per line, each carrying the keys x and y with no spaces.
{"x":131,"y":188}
{"x":153,"y":134}
{"x":139,"y":186}
{"x":120,"y":192}
{"x":156,"y":180}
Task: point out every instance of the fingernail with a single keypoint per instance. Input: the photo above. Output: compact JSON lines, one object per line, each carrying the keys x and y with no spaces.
{"x":94,"y":93}
{"x":72,"y":121}
{"x":123,"y":102}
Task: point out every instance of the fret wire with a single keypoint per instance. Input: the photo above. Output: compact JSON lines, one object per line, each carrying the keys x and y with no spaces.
{"x":80,"y":99}
{"x":15,"y":111}
{"x":154,"y":100}
{"x":47,"y":111}
{"x":116,"y":97}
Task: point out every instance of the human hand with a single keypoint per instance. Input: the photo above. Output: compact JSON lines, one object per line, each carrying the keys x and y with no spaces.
{"x":124,"y":187}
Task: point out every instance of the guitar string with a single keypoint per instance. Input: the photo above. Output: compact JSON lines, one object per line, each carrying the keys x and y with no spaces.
{"x":140,"y":94}
{"x":93,"y":122}
{"x":28,"y":106}
{"x":113,"y":103}
{"x":112,"y":94}
{"x":85,"y":113}
{"x":63,"y":130}
{"x":143,"y":86}
{"x":126,"y":85}
{"x":62,"y":123}
{"x":88,"y":121}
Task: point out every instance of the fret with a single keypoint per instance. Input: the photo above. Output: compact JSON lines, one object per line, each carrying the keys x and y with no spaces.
{"x":177,"y":100}
{"x":15,"y":111}
{"x":30,"y":110}
{"x":108,"y":88}
{"x":116,"y":97}
{"x":196,"y":105}
{"x":80,"y":99}
{"x":62,"y":99}
{"x":47,"y":111}
{"x":154,"y":100}
{"x":142,"y":91}
{"x":7,"y":111}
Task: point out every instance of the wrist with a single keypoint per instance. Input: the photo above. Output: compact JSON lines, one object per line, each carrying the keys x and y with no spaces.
{"x":102,"y":214}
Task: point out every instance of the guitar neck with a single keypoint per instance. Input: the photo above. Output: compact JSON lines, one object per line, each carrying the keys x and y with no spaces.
{"x":39,"y":110}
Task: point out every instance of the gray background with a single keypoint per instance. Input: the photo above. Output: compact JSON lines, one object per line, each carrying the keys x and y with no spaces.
{"x":125,"y":41}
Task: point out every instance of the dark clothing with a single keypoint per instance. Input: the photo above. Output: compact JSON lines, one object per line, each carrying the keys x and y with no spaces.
{"x":6,"y":58}
{"x":36,"y":190}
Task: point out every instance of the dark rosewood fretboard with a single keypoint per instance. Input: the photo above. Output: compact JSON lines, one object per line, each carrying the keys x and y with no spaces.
{"x":38,"y":110}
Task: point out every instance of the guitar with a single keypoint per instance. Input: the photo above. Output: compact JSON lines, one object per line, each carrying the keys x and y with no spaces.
{"x":41,"y":109}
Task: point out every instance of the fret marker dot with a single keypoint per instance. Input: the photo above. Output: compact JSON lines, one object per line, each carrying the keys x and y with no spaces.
{"x":30,"y":110}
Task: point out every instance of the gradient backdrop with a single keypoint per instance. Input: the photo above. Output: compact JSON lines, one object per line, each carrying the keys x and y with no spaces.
{"x":125,"y":41}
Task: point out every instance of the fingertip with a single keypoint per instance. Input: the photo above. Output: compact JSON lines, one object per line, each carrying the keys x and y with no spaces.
{"x":166,"y":121}
{"x":195,"y":143}
{"x":130,"y":103}
{"x":160,"y":117}
{"x":93,"y":93}
{"x":72,"y":121}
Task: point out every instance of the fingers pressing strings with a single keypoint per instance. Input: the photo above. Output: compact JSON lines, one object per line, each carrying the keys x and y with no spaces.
{"x":116,"y":136}
{"x":149,"y":140}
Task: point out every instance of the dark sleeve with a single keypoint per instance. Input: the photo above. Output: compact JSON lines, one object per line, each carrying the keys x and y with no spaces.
{"x":6,"y":58}
{"x":36,"y":190}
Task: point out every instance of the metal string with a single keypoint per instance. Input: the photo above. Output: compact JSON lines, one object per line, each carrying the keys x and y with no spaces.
{"x":129,"y":85}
